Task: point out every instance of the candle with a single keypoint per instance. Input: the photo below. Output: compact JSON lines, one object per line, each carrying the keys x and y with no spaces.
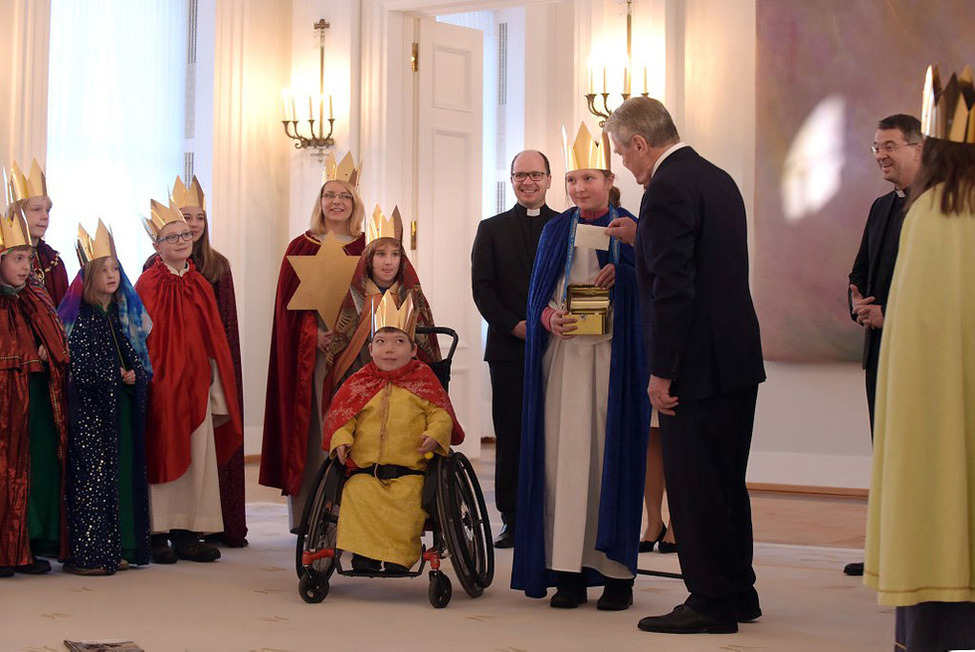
{"x":645,"y":88}
{"x":626,"y":80}
{"x":321,"y":114}
{"x":330,"y":114}
{"x":605,"y":90}
{"x":311,"y":114}
{"x":293,"y":118}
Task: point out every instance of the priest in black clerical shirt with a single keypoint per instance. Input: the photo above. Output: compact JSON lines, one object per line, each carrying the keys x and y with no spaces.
{"x":502,"y":260}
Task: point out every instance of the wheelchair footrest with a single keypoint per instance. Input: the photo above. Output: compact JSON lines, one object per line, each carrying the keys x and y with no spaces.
{"x":308,"y":556}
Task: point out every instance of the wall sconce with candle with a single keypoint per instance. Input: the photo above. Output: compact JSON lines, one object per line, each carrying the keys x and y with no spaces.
{"x":604,"y":112}
{"x":294,"y":107}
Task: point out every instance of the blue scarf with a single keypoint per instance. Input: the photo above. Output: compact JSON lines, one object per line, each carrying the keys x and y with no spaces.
{"x":627,"y":418}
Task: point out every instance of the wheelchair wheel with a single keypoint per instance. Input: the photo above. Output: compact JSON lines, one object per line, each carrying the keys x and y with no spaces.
{"x":312,"y":588}
{"x":319,"y":524}
{"x":464,"y":524}
{"x":440,"y":590}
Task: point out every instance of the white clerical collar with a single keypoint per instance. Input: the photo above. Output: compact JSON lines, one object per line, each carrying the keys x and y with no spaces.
{"x":173,"y":270}
{"x":532,"y":212}
{"x":673,"y":148}
{"x":900,"y":193}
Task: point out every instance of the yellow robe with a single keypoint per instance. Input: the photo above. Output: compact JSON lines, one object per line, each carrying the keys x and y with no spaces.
{"x":921,"y":518}
{"x":384,"y":519}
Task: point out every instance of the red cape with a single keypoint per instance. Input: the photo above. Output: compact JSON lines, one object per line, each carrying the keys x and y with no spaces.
{"x":186,"y":334}
{"x":49,"y":264}
{"x":26,"y":321}
{"x":415,"y":377}
{"x":287,"y":409}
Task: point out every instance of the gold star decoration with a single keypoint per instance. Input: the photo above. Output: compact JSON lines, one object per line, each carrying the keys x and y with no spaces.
{"x":323,"y":279}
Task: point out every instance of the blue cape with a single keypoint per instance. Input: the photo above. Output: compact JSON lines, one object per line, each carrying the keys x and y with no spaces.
{"x":627,"y":418}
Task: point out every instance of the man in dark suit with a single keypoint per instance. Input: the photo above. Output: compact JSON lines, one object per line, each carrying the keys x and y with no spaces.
{"x":705,"y":357}
{"x":897,"y":148}
{"x":501,"y":261}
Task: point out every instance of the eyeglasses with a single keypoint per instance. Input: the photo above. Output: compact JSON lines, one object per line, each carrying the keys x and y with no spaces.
{"x":535,"y":176}
{"x":173,"y":238}
{"x":889,"y":147}
{"x":344,"y":196}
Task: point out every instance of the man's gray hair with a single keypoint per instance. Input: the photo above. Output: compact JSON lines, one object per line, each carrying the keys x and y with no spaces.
{"x":644,"y":116}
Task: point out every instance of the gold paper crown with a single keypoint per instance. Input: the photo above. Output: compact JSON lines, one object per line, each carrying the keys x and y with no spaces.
{"x":948,"y":113}
{"x":342,"y":171}
{"x":14,"y":231}
{"x":586,"y":153}
{"x":387,"y":315}
{"x":380,"y":226}
{"x":89,"y":249}
{"x":22,"y":187}
{"x":193,"y":196}
{"x":160,"y":216}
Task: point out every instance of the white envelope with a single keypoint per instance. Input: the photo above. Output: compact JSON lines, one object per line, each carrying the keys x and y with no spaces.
{"x":589,"y":236}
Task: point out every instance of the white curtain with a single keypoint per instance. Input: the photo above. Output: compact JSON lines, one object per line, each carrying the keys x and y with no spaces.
{"x":115,"y":118}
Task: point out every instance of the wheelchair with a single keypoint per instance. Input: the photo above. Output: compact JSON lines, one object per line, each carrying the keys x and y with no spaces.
{"x":458,"y":521}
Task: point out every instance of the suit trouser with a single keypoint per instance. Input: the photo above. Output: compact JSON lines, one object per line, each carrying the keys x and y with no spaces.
{"x":705,"y":450}
{"x":507,"y":382}
{"x":870,"y":373}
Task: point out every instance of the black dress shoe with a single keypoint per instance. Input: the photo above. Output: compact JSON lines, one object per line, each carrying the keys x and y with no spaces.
{"x":855,"y":569}
{"x":506,"y":538}
{"x":570,"y":591}
{"x":617,"y":596}
{"x":36,"y":567}
{"x":666,"y":547}
{"x":647,"y":546}
{"x":684,"y":620}
{"x":160,"y":552}
{"x":6,"y":571}
{"x":363,"y":564}
{"x":190,"y":547}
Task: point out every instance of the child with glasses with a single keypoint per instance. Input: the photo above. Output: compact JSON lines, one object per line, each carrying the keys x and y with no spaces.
{"x":193,"y":421}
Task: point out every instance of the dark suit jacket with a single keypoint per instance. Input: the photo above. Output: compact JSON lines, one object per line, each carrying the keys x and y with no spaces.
{"x":501,"y":266}
{"x":873,"y":268}
{"x":699,"y":323}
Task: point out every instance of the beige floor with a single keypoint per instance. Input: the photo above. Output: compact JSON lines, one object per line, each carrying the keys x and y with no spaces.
{"x":248,"y":600}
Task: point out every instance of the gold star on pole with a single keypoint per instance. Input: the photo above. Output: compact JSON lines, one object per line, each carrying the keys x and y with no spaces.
{"x":323,"y":279}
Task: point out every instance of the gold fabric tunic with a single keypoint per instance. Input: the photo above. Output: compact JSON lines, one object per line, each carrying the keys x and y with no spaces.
{"x":921,"y":519}
{"x":384,"y":519}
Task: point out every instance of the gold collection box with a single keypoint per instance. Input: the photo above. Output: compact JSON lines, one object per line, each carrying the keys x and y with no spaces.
{"x":590,"y":306}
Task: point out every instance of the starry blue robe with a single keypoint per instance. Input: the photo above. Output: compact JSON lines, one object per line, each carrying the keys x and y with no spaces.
{"x":627,"y":419}
{"x":107,"y":489}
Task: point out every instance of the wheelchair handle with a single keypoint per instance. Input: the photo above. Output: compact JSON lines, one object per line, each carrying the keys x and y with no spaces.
{"x":442,"y":330}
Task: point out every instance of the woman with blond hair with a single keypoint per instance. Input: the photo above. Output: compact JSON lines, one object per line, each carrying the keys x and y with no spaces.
{"x":291,"y":452}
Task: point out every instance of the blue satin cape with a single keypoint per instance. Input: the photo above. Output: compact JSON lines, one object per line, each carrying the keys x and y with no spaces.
{"x":627,"y":418}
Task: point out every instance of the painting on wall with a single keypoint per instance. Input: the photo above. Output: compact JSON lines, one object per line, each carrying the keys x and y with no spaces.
{"x":827,"y":71}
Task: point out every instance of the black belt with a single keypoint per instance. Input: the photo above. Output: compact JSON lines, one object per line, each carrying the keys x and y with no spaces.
{"x":387,"y":471}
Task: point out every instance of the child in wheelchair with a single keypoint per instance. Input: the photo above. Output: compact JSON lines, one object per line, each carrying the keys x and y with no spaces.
{"x":384,"y":424}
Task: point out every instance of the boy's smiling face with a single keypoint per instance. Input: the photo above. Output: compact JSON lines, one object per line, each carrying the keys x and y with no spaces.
{"x":391,"y":349}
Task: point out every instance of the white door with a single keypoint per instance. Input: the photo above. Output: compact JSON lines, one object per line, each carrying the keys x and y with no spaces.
{"x":447,"y":88}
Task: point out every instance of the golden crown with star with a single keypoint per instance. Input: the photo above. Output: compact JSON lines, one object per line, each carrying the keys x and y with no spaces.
{"x":89,"y":248}
{"x":585,"y":153}
{"x":192,"y":195}
{"x":14,"y":231}
{"x":344,"y":170}
{"x":387,"y":315}
{"x":380,"y":226}
{"x":21,"y":186}
{"x":160,"y":215}
{"x":948,"y":111}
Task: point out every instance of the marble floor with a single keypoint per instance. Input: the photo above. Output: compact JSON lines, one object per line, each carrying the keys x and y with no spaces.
{"x":248,"y":600}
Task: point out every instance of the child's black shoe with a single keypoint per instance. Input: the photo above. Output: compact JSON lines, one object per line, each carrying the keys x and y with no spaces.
{"x":363,"y":564}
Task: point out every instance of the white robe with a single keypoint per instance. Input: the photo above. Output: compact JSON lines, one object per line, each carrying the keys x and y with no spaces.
{"x":576,"y":377}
